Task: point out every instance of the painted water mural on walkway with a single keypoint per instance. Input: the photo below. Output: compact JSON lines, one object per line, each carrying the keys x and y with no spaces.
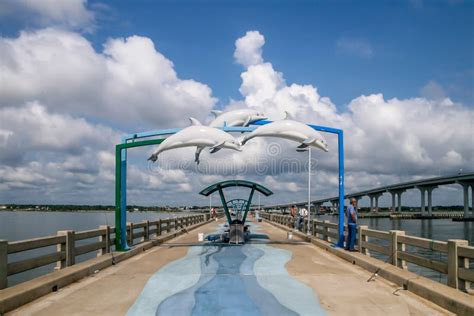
{"x":219,"y":279}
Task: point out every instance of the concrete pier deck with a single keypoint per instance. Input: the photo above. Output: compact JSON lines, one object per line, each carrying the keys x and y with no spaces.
{"x":277,"y":277}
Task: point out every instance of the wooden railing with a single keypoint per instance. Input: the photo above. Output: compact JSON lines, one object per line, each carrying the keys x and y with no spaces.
{"x":400,"y":249}
{"x":70,"y":244}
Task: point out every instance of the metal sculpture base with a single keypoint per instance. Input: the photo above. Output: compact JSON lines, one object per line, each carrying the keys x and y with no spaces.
{"x":236,"y":234}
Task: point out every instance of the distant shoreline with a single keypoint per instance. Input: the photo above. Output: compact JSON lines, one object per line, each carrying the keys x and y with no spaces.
{"x":88,"y":211}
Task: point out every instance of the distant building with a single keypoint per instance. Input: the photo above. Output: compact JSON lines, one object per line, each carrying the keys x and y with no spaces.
{"x":3,"y":207}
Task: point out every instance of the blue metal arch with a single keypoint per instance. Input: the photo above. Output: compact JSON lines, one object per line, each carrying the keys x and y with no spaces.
{"x":121,"y":243}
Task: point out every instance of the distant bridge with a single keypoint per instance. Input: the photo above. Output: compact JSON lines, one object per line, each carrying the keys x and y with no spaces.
{"x":425,"y":186}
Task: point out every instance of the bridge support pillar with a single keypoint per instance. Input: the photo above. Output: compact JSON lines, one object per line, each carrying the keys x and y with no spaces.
{"x":423,"y":209}
{"x":399,"y":202}
{"x":429,"y":191}
{"x":398,"y":194}
{"x":393,"y":201}
{"x":465,"y":188}
{"x":374,"y":199}
{"x":430,"y":200}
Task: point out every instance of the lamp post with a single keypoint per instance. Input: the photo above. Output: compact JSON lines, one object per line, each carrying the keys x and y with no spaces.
{"x":308,"y":149}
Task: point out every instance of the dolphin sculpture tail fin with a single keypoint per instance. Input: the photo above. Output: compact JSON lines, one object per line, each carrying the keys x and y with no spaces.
{"x":242,"y":140}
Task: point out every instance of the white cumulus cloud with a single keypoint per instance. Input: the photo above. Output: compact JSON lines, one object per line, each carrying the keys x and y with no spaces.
{"x":130,"y":82}
{"x":70,"y":14}
{"x":248,"y":49}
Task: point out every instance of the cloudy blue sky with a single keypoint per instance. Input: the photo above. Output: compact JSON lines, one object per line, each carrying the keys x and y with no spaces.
{"x":398,"y":77}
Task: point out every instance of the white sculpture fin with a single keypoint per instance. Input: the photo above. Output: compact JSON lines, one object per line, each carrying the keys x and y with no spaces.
{"x":194,"y":122}
{"x":247,"y":121}
{"x":216,"y":113}
{"x":288,"y":116}
{"x":153,"y":158}
{"x":196,"y":155}
{"x":216,"y":147}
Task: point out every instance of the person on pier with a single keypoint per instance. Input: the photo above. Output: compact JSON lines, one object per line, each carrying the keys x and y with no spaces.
{"x":351,"y":224}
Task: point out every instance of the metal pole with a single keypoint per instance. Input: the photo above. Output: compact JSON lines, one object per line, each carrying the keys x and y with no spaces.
{"x":309,"y":191}
{"x":340,"y":141}
{"x":123,"y":200}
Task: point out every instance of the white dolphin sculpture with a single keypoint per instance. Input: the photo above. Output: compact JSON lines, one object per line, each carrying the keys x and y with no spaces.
{"x":242,"y":117}
{"x":289,"y":129}
{"x":199,"y":136}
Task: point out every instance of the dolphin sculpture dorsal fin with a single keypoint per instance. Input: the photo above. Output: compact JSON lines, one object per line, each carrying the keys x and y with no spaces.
{"x":288,"y":116}
{"x":216,"y":113}
{"x":194,"y":122}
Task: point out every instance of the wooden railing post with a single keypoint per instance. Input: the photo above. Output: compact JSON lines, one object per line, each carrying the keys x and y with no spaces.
{"x":130,"y":233}
{"x":453,"y":261}
{"x":3,"y":264}
{"x":146,"y":230}
{"x":393,"y":247}
{"x":105,"y":237}
{"x":68,"y":248}
{"x":464,"y":285}
{"x":363,"y":238}
{"x":176,"y":224}
{"x":158,"y":228}
{"x":326,"y":231}
{"x":401,"y":248}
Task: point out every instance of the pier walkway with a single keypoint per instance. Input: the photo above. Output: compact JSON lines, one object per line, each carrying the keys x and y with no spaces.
{"x":264,"y":277}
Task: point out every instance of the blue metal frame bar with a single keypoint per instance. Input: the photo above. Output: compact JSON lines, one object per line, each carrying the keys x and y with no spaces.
{"x":132,"y":137}
{"x":340,"y":147}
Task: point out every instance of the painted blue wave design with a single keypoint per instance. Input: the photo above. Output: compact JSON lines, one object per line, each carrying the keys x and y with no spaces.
{"x":233,"y":280}
{"x":228,"y":292}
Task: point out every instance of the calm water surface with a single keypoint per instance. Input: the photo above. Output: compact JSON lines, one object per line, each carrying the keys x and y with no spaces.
{"x":21,"y":225}
{"x":438,"y":229}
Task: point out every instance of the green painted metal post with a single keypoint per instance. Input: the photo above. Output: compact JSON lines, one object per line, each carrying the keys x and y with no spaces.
{"x":118,"y":197}
{"x":249,"y":202}
{"x":224,"y":204}
{"x":120,"y":191}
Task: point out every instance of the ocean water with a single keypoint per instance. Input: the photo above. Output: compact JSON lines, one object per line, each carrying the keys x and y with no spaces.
{"x":20,"y":225}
